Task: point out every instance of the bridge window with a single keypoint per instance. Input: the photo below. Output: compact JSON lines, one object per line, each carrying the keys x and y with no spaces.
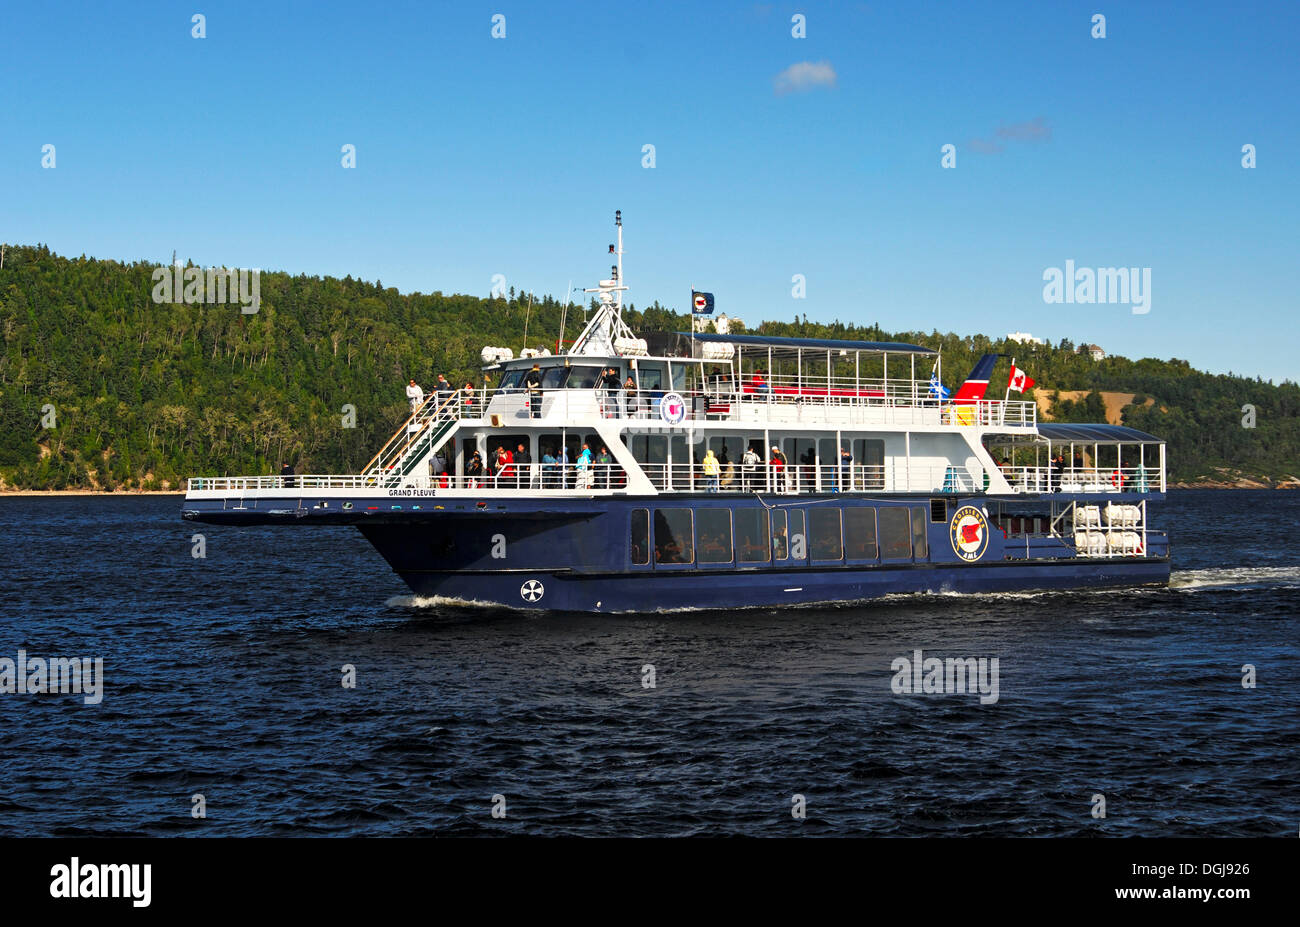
{"x":510,"y":379}
{"x":860,"y":532}
{"x":713,"y":535}
{"x":640,"y":547}
{"x":895,"y":533}
{"x":552,"y":377}
{"x":824,"y":525}
{"x":673,"y":536}
{"x":920,"y":546}
{"x":752,"y":544}
{"x":582,"y":377}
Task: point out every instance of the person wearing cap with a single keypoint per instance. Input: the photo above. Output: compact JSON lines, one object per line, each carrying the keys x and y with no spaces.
{"x":777,"y":463}
{"x":533,"y":383}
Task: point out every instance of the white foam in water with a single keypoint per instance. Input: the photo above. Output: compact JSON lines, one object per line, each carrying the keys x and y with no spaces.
{"x":437,"y":601}
{"x":1191,"y":580}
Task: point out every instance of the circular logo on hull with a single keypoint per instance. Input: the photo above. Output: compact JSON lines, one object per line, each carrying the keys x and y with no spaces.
{"x":672,"y":408}
{"x":532,"y":591}
{"x":969,"y":532}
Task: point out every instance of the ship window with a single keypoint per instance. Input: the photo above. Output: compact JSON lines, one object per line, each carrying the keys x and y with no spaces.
{"x":582,"y":377}
{"x":751,"y":536}
{"x":824,"y":525}
{"x":829,"y":460}
{"x":860,"y":533}
{"x":869,"y":463}
{"x":510,"y":379}
{"x":895,"y":533}
{"x":713,"y":535}
{"x":678,"y":374}
{"x":640,"y":549}
{"x":673,"y":540}
{"x":798,"y":543}
{"x":552,"y":377}
{"x":728,"y":450}
{"x":780,"y":541}
{"x":920,"y":546}
{"x":651,"y":376}
{"x":938,"y":510}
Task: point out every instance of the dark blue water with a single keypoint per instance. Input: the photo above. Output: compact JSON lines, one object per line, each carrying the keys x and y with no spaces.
{"x":223,"y":678}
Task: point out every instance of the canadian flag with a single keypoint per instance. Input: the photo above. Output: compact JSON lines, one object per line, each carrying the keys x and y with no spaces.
{"x":1019,"y":380}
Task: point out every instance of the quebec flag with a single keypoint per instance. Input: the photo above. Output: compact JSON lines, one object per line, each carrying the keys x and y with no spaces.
{"x":701,"y":303}
{"x":937,"y":389}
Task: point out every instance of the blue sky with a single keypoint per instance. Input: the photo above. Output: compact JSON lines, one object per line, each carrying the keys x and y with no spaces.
{"x":478,"y":156}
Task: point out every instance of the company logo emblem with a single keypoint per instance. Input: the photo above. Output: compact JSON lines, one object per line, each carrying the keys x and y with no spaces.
{"x":969,"y":532}
{"x":532,"y":591}
{"x":672,"y":408}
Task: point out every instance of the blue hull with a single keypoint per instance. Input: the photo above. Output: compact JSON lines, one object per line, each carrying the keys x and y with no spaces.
{"x":668,"y":591}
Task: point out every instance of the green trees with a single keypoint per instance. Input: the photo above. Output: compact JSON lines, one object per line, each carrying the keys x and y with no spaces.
{"x":146,"y":394}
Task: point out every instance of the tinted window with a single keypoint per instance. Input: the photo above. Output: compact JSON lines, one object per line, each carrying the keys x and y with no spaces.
{"x":860,"y":533}
{"x":751,"y":536}
{"x":713,"y":535}
{"x":825,"y":530}
{"x":895,"y":533}
{"x":780,"y":540}
{"x":552,"y":377}
{"x":640,"y":544}
{"x":919,"y":544}
{"x":673,"y":541}
{"x":582,"y":377}
{"x":511,"y":378}
{"x":798,"y":542}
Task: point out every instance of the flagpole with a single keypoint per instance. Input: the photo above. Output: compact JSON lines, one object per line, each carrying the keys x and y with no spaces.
{"x":1007,"y":396}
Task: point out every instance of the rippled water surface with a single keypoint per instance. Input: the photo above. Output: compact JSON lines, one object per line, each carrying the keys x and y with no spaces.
{"x":223,"y":679}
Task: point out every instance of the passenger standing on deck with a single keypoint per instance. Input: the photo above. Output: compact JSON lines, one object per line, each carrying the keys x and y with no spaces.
{"x":612,"y":385}
{"x":1057,"y":469}
{"x":777,"y":464}
{"x":749,"y":467}
{"x":629,"y":398}
{"x":444,"y":393}
{"x":415,"y":395}
{"x":533,"y":383}
{"x":604,"y":463}
{"x":467,"y":399}
{"x":711,"y":470}
{"x":523,"y":468}
{"x":585,"y":473}
{"x":474,"y":472}
{"x":846,"y":470}
{"x":549,"y":466}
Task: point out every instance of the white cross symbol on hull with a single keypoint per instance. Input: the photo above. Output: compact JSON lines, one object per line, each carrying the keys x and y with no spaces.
{"x":532,"y":590}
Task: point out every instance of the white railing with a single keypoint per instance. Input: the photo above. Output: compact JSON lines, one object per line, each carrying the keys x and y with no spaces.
{"x":798,"y":479}
{"x":1070,"y":479}
{"x":572,"y":476}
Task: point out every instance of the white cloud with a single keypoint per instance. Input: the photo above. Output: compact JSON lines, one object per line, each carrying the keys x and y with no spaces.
{"x":804,"y":76}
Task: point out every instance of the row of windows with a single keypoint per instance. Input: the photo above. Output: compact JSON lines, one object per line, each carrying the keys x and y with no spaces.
{"x":753,"y":535}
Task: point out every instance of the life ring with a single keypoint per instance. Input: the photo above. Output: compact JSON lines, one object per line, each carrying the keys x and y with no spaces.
{"x":1117,"y":479}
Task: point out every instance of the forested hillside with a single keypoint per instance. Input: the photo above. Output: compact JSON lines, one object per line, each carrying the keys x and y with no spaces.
{"x":142,"y":394}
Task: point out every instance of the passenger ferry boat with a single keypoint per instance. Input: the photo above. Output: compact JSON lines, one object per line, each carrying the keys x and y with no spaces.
{"x":870,"y":480}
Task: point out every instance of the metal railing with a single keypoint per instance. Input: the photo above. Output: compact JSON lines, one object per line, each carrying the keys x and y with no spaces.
{"x":798,"y":479}
{"x":1098,"y":479}
{"x":434,"y":411}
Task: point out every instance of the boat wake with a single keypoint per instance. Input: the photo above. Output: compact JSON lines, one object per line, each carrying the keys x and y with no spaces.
{"x":1192,"y":580}
{"x":438,"y":601}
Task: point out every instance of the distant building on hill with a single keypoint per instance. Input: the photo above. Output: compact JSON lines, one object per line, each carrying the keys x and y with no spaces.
{"x":1095,"y":350}
{"x":1025,"y":338}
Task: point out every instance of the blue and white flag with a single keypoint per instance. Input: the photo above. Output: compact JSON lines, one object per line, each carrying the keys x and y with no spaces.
{"x":701,"y":303}
{"x":937,"y":389}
